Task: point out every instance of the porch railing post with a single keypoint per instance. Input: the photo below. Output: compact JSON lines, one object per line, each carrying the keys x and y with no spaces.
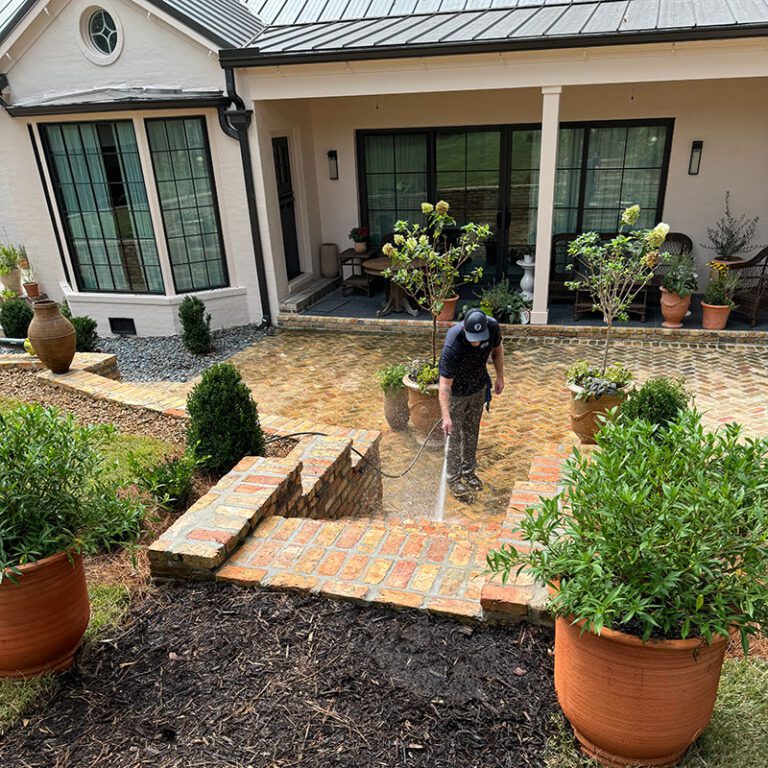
{"x":550,"y":123}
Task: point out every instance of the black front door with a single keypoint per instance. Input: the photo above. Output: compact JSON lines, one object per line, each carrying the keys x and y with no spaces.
{"x":287,"y":208}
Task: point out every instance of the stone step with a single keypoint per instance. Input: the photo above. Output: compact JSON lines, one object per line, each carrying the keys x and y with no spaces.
{"x":309,"y":295}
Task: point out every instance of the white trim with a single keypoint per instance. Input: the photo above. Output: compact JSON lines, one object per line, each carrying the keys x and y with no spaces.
{"x":154,"y":11}
{"x":86,"y":9}
{"x":153,"y":300}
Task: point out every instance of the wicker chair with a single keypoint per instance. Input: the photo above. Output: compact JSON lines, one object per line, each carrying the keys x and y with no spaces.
{"x":675,"y":243}
{"x":752,"y":295}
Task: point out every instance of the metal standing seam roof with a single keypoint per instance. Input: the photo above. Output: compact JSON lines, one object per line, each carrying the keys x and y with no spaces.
{"x":227,"y":23}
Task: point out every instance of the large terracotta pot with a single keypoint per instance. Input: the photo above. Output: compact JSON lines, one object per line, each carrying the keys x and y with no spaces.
{"x":396,"y":409}
{"x":53,"y":336}
{"x":448,"y":312}
{"x":673,"y":308}
{"x":584,"y":413}
{"x":43,"y":616}
{"x":635,"y":703}
{"x":714,"y":317}
{"x":425,"y":411}
{"x":12,"y":281}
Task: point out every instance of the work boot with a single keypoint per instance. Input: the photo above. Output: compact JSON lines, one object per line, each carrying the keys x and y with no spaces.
{"x":473,"y":481}
{"x":459,"y":489}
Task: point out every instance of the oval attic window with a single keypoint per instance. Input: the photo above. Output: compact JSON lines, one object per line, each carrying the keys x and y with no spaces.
{"x":102,"y":32}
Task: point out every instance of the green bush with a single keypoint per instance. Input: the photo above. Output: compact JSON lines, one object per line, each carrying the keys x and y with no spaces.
{"x":680,"y":276}
{"x":56,"y":493}
{"x":195,"y":326}
{"x":659,"y":401}
{"x":391,"y":378}
{"x":170,"y":483}
{"x":500,"y":301}
{"x":87,"y":338}
{"x":15,"y":317}
{"x":223,"y":420}
{"x":663,"y":533}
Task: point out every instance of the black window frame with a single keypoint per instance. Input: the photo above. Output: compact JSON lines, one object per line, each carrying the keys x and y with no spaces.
{"x":214,"y":202}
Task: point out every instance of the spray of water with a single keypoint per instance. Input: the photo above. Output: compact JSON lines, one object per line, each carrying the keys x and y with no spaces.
{"x":440,"y":505}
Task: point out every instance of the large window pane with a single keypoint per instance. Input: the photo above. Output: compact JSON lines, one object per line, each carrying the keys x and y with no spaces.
{"x":185,"y":186}
{"x":99,"y":185}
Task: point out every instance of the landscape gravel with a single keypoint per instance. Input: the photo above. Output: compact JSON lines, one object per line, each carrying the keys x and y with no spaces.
{"x":165,"y":358}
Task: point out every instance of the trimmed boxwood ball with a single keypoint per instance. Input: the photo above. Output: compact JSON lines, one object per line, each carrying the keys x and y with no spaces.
{"x":85,"y":328}
{"x":659,"y":401}
{"x":223,"y":420}
{"x":15,"y":317}
{"x":195,"y":326}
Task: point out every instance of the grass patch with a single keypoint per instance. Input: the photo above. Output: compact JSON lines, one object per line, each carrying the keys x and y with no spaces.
{"x":737,"y":735}
{"x":109,"y":604}
{"x":147,"y":451}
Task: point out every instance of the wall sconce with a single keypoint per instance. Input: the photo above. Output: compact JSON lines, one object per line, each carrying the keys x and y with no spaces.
{"x":333,"y":165}
{"x":695,"y":161}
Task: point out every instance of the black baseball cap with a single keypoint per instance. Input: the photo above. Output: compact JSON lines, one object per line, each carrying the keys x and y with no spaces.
{"x":476,"y":326}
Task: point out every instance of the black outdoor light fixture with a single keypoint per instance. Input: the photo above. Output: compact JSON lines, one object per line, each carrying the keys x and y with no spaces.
{"x":333,"y":164}
{"x":695,"y":161}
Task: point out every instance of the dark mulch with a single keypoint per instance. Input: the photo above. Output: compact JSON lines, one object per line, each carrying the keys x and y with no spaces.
{"x":209,"y":675}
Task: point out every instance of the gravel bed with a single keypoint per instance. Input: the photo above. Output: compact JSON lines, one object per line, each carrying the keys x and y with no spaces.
{"x":164,"y":358}
{"x":211,"y":675}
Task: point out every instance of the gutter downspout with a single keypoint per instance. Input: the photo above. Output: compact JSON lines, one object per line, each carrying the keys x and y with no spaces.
{"x":235,"y":120}
{"x":3,"y":85}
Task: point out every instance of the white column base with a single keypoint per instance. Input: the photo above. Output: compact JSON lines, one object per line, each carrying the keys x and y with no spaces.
{"x":540,"y":318}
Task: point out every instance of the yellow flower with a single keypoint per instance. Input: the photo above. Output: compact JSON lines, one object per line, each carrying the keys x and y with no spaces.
{"x":427,"y":208}
{"x":442,"y":207}
{"x":399,"y":239}
{"x":658,"y":235}
{"x":631,"y":215}
{"x":388,"y":249}
{"x":651,"y":259}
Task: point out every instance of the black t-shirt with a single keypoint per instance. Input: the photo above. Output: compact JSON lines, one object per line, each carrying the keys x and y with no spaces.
{"x":466,"y":364}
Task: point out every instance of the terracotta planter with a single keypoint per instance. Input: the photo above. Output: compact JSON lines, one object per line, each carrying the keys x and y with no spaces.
{"x":448,"y":311}
{"x":12,"y":281}
{"x":396,"y":409}
{"x":584,"y":413}
{"x":673,"y":308}
{"x":43,"y":616}
{"x":632,"y":703}
{"x":52,"y":336}
{"x":361,"y":247}
{"x":32,"y":290}
{"x":424,"y":409}
{"x":714,"y":317}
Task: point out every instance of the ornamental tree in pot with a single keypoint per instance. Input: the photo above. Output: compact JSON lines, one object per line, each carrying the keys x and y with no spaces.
{"x":395,"y":395}
{"x":655,"y":554}
{"x":58,"y":503}
{"x":677,"y":285}
{"x":429,"y":270}
{"x":613,"y":273}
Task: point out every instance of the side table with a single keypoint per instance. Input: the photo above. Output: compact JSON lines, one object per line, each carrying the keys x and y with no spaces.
{"x":358,"y":279}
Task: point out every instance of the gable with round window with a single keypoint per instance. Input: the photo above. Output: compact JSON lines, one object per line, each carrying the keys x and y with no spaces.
{"x":101,"y":34}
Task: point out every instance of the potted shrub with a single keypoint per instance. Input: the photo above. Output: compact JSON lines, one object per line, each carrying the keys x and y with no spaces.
{"x":58,"y":503}
{"x":428,"y":270}
{"x":659,"y":401}
{"x":655,"y":555}
{"x":31,"y":286}
{"x":359,"y":236}
{"x":395,"y":395}
{"x":717,"y":301}
{"x":501,"y":302}
{"x":731,"y":236}
{"x":15,"y":317}
{"x":11,"y":258}
{"x":613,"y":273}
{"x":677,"y":285}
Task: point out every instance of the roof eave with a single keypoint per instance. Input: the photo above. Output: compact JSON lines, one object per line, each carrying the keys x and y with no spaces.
{"x":251,"y":57}
{"x":13,"y":22}
{"x":125,"y":105}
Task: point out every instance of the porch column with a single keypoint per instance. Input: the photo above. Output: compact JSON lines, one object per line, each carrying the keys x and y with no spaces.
{"x":550,"y":124}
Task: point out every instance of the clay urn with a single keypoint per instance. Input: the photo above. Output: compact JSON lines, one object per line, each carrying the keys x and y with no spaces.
{"x":673,"y":308}
{"x":53,"y":337}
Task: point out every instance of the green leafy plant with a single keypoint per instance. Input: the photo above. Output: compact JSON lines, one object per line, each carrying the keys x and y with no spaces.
{"x":426,"y":267}
{"x":8,"y":293}
{"x":723,"y":284}
{"x":732,"y":235}
{"x":359,"y":235}
{"x":223,"y":420}
{"x":87,"y":337}
{"x":15,"y":317}
{"x":56,"y":493}
{"x":659,"y":401}
{"x":424,"y":373}
{"x":12,"y":257}
{"x":499,"y":301}
{"x":170,"y":483}
{"x":680,"y":277}
{"x":659,"y":534}
{"x":596,"y":382}
{"x":195,"y":326}
{"x":614,"y":272}
{"x":391,"y":378}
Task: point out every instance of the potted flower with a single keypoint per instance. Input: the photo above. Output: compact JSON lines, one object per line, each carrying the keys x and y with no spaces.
{"x":11,"y":257}
{"x":428,"y":269}
{"x":613,"y":273}
{"x":501,"y":302}
{"x":655,"y":555}
{"x":395,"y":395}
{"x":31,"y":287}
{"x":717,"y":302}
{"x":359,"y":236}
{"x":58,"y":504}
{"x":677,"y":285}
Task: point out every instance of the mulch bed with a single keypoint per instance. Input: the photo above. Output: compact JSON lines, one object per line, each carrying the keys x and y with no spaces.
{"x":211,"y":675}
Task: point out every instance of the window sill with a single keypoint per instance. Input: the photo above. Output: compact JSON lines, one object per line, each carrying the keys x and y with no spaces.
{"x":155,"y":300}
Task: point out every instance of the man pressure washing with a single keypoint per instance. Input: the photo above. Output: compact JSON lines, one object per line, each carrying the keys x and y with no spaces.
{"x":465,"y":387}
